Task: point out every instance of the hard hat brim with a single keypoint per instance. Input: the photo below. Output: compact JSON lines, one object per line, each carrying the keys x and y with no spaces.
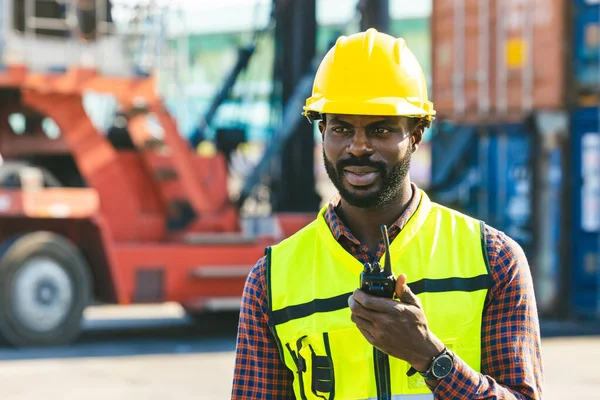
{"x":385,"y":106}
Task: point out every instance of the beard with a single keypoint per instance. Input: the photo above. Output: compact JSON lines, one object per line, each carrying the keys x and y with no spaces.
{"x":391,"y":178}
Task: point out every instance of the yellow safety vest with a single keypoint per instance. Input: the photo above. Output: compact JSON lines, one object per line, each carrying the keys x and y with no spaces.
{"x":310,"y":277}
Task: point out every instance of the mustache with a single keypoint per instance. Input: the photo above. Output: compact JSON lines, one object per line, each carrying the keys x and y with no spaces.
{"x":354,"y":161}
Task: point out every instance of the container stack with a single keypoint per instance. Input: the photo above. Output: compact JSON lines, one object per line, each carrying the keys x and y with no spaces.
{"x":516,"y":85}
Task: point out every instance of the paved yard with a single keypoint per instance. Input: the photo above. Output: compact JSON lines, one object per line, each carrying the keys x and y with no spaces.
{"x":125,"y":355}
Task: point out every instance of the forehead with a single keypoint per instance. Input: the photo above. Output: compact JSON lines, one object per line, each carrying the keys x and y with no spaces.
{"x":365,"y":120}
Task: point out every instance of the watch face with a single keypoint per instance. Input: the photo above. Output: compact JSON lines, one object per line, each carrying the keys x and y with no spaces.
{"x":442,"y":366}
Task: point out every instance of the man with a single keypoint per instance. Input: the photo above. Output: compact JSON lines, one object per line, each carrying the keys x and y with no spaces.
{"x":463,"y":323}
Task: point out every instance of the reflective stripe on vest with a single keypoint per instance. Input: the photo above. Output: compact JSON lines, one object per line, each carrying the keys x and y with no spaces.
{"x":310,"y":277}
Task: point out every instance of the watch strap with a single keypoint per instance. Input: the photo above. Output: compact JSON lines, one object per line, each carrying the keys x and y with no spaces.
{"x":428,"y":375}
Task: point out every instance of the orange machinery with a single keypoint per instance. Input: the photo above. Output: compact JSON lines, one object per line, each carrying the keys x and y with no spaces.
{"x":109,"y":240}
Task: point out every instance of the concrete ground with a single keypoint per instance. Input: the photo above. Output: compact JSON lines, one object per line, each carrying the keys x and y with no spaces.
{"x":156,"y":353}
{"x":571,"y":369}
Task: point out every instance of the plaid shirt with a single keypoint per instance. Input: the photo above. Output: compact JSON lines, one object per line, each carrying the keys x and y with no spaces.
{"x":511,"y":363}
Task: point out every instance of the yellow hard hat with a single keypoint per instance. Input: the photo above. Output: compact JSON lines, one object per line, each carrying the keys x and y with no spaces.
{"x":369,"y":73}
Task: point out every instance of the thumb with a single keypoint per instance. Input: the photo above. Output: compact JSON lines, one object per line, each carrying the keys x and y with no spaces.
{"x":404,"y":293}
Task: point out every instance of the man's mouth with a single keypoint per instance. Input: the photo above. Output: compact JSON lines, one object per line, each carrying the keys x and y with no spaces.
{"x":360,"y":176}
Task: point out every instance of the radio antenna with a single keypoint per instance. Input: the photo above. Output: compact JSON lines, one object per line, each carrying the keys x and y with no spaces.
{"x":387,"y":268}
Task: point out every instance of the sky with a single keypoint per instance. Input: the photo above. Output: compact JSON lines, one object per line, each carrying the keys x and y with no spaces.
{"x":207,"y":16}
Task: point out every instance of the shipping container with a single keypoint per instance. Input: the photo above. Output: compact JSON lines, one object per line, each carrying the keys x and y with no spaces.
{"x":517,"y":79}
{"x":486,"y":174}
{"x":454,"y":166}
{"x":587,"y":51}
{"x":550,"y":213}
{"x":510,"y":176}
{"x":585,"y":227}
{"x":497,"y":60}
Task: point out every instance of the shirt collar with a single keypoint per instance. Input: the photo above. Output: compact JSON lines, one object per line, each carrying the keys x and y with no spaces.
{"x":341,"y":231}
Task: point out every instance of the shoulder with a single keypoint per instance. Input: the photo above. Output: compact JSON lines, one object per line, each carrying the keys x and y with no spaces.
{"x":457,"y":219}
{"x":501,"y":248}
{"x":498,"y":243}
{"x":256,"y":280}
{"x":255,"y":302}
{"x":503,"y":251}
{"x":438,"y":208}
{"x":506,"y":257}
{"x":508,"y":262}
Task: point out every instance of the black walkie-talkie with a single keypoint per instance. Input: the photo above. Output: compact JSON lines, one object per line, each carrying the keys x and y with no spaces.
{"x":377,"y":280}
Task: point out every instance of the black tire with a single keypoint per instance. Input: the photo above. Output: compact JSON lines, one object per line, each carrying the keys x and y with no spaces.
{"x":213,"y":320}
{"x":47,"y":246}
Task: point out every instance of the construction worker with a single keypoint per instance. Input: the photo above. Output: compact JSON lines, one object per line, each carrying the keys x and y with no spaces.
{"x":463,"y":322}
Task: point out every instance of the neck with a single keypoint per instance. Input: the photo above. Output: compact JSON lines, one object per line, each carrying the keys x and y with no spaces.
{"x":365,"y":223}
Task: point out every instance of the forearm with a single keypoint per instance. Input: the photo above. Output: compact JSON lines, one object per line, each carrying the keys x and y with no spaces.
{"x":466,"y":383}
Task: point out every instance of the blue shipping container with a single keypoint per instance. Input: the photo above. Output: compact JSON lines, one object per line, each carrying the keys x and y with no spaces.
{"x":454,"y":166}
{"x":485,"y":172}
{"x":510,"y":181}
{"x":492,"y":178}
{"x":588,"y":2}
{"x":587,"y":46}
{"x":586,"y":212}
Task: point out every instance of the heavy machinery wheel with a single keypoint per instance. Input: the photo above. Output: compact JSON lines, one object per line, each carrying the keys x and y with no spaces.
{"x":45,"y":285}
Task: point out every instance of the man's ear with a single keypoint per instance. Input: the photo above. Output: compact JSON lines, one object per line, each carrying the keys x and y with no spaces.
{"x":416,"y":136}
{"x":322,"y":129}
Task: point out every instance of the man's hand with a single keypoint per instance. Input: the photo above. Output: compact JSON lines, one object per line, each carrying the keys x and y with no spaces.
{"x":398,"y":328}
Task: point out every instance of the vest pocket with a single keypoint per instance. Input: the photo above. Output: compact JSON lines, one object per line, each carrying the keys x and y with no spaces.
{"x":322,"y":372}
{"x":314,"y":366}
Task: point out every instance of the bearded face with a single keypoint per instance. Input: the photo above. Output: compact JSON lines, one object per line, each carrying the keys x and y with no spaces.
{"x":365,"y":183}
{"x":367,"y":157}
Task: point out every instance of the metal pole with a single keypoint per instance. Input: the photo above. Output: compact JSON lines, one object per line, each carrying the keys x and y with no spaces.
{"x":598,"y":205}
{"x":296,"y":31}
{"x":29,"y":32}
{"x":101,"y":9}
{"x":100,"y":15}
{"x":484,"y":172}
{"x":3,"y":14}
{"x":502,"y":162}
{"x":374,"y":14}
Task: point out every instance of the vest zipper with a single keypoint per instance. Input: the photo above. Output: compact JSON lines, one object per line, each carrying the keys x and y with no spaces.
{"x":382,"y":374}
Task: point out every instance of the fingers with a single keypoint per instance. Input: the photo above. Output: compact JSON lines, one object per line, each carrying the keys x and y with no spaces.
{"x":373,"y":303}
{"x":361,"y":322}
{"x":404,"y":293}
{"x":359,"y":310}
{"x":364,"y":325}
{"x":400,"y":283}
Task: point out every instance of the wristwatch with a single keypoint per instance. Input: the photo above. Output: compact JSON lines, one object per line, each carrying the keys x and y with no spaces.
{"x":440,"y":367}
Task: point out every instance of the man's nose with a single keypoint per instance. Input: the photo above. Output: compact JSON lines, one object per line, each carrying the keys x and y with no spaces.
{"x":359,"y":145}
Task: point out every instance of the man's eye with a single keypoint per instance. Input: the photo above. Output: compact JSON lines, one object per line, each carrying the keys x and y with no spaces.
{"x":341,"y":129}
{"x":381,"y":131}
